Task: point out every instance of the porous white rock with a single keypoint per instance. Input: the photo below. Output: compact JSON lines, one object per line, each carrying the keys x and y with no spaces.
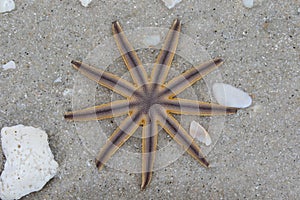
{"x":29,"y":161}
{"x":198,"y":132}
{"x":6,"y":5}
{"x":85,"y":3}
{"x":9,"y":65}
{"x":171,"y":3}
{"x":248,"y":3}
{"x":227,"y":95}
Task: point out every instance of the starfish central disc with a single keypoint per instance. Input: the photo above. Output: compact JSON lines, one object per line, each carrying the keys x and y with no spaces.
{"x":146,"y":96}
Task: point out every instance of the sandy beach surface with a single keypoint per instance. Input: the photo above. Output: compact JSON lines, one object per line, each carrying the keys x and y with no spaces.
{"x":256,"y":152}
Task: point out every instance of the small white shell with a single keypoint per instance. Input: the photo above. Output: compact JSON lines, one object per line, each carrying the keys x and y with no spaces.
{"x":228,"y":95}
{"x":197,"y":131}
{"x":9,"y":65}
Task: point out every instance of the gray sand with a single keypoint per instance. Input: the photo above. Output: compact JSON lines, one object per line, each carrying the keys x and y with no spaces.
{"x":257,"y":153}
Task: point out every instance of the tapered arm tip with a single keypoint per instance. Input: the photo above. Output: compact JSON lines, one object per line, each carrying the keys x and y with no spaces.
{"x":68,"y":116}
{"x":76,"y":64}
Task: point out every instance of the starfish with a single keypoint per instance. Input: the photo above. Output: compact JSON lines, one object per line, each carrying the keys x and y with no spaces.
{"x":149,"y":101}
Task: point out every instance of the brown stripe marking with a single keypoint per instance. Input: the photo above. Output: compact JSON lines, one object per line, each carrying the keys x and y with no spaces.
{"x":188,"y":78}
{"x":192,"y":107}
{"x":104,"y":111}
{"x":166,"y":55}
{"x":175,"y":130}
{"x":118,"y":138}
{"x":149,"y":145}
{"x":133,"y":63}
{"x":105,"y":79}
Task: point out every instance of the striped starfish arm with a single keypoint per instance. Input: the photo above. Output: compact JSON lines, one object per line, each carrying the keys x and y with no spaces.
{"x":104,"y":111}
{"x":188,"y":78}
{"x":192,"y":107}
{"x":132,"y":61}
{"x":166,"y":55}
{"x":105,"y":79}
{"x":149,"y":145}
{"x":177,"y":132}
{"x":118,"y":138}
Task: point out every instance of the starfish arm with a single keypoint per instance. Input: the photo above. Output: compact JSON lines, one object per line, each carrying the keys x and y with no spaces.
{"x":177,"y":132}
{"x":149,"y":145}
{"x":104,"y":111}
{"x":132,"y":61}
{"x":166,"y":55}
{"x":105,"y":79}
{"x":188,"y":78}
{"x":192,"y":107}
{"x":118,"y":138}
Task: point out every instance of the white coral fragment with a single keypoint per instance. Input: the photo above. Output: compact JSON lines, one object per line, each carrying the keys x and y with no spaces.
{"x":171,"y":3}
{"x":198,"y":132}
{"x":29,"y":161}
{"x":228,"y":95}
{"x":6,"y":5}
{"x":85,"y":3}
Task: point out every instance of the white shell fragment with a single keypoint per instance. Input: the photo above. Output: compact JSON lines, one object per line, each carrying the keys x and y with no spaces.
{"x":6,"y":5}
{"x":85,"y":3}
{"x":228,"y":95}
{"x":197,"y":131}
{"x":58,"y":80}
{"x":29,"y":161}
{"x":10,"y":64}
{"x":171,"y":3}
{"x":248,"y":3}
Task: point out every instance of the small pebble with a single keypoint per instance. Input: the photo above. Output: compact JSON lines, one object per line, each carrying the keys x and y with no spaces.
{"x":9,"y":65}
{"x":248,"y":3}
{"x":85,"y":3}
{"x":197,"y":131}
{"x":6,"y":5}
{"x":171,"y":3}
{"x":67,"y":92}
{"x":228,"y":95}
